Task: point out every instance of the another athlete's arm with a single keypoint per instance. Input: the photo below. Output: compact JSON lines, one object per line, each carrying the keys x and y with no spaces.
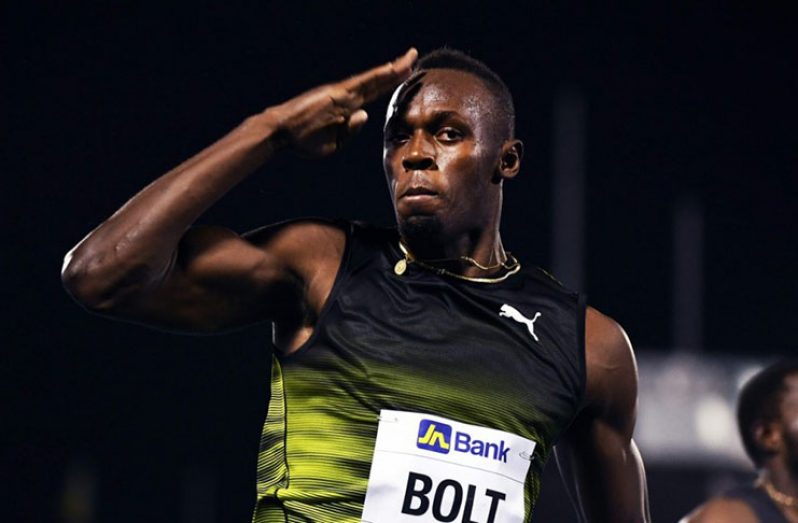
{"x":145,"y":264}
{"x":598,"y":458}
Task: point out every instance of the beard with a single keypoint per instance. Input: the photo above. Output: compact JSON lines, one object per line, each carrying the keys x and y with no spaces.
{"x":420,"y":230}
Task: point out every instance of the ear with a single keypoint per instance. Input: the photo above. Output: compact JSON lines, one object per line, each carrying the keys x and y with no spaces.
{"x":769,"y":436}
{"x":510,"y":159}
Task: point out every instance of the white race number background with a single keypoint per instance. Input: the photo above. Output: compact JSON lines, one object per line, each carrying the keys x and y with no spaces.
{"x":396,"y":456}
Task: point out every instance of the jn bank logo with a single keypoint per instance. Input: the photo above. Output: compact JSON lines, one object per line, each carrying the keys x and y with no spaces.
{"x":434,"y":436}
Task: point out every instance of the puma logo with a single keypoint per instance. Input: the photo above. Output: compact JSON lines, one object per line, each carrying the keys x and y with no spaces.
{"x":508,"y":311}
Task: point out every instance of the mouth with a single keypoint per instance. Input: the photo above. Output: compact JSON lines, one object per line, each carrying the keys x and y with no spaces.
{"x":418,"y":192}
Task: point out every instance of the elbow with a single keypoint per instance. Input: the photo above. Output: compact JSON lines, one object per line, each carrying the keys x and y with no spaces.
{"x":83,"y":283}
{"x":96,"y":284}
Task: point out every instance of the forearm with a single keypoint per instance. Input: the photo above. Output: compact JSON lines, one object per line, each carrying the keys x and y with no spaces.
{"x":137,"y":244}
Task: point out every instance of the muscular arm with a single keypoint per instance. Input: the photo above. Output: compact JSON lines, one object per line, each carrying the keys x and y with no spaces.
{"x":598,"y":458}
{"x":146,"y":264}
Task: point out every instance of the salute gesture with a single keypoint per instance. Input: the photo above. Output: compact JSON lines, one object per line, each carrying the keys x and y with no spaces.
{"x":318,"y":122}
{"x":147,"y":264}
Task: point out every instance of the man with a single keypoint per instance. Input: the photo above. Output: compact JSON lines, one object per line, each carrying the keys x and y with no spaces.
{"x":420,"y":374}
{"x":767,"y":416}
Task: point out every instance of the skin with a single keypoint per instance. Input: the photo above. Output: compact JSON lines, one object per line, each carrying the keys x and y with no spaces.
{"x":146,"y":264}
{"x":445,"y":165}
{"x":598,"y":458}
{"x":779,"y":439}
{"x":445,"y":169}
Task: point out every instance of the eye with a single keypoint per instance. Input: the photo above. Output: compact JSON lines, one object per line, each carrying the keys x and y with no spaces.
{"x":397,"y":138}
{"x":449,"y":135}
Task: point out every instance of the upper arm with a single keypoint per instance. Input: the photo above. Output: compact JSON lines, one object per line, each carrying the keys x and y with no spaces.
{"x":611,"y":389}
{"x":721,"y":510}
{"x":219,"y":280}
{"x":599,"y":460}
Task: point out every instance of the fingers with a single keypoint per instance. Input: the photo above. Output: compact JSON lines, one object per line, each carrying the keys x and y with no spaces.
{"x":321,"y":120}
{"x":357,"y":121}
{"x":373,"y":83}
{"x":350,"y":128}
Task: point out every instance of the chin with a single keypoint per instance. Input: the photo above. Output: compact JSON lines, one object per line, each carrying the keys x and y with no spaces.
{"x":420,"y":227}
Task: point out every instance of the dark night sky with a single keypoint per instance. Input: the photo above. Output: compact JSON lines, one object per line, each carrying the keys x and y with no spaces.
{"x":100,"y":98}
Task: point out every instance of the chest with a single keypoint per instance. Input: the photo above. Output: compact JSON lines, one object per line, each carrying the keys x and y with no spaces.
{"x":417,"y":343}
{"x":402,"y":320}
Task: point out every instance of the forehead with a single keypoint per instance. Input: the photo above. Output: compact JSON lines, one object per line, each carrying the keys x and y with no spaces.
{"x":440,"y":90}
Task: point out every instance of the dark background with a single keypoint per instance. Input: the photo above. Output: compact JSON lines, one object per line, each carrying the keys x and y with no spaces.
{"x":100,"y":98}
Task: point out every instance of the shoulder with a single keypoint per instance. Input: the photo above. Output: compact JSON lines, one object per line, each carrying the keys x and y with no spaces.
{"x":302,"y":244}
{"x":604,"y":337}
{"x":722,"y":510}
{"x":610,"y":366}
{"x":307,"y":253}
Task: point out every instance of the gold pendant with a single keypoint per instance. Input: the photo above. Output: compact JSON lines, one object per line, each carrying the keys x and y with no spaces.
{"x":400,"y":267}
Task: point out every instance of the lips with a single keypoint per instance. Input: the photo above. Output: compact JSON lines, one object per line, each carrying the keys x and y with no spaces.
{"x":419,"y":191}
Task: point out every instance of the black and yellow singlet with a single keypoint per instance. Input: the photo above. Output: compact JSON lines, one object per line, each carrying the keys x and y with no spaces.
{"x":508,"y":356}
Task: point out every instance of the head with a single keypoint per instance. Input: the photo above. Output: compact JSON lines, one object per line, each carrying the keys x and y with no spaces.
{"x":767,"y":415}
{"x":449,"y":146}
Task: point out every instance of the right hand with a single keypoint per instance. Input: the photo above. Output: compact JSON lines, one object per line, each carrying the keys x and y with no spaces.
{"x":318,"y":122}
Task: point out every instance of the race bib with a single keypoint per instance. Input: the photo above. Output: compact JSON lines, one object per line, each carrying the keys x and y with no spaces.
{"x":429,"y":469}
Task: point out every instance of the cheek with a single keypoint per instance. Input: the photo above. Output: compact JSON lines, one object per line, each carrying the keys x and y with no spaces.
{"x":389,"y":168}
{"x":387,"y":157}
{"x":471,"y":166}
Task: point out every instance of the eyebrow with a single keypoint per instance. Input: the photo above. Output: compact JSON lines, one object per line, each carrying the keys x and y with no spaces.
{"x":437,"y":118}
{"x":441,"y":116}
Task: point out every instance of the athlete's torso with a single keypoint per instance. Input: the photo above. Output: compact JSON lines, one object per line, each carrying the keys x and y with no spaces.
{"x":508,"y":356}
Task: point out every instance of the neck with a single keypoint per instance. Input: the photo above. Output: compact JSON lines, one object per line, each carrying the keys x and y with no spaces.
{"x":782,"y":479}
{"x":781,"y":489}
{"x":484,"y":247}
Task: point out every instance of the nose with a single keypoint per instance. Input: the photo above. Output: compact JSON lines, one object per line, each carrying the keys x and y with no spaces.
{"x":418,"y":156}
{"x":417,"y":163}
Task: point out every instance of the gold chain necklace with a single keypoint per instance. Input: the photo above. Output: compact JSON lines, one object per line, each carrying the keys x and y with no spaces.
{"x":779,"y":497}
{"x":511,"y":264}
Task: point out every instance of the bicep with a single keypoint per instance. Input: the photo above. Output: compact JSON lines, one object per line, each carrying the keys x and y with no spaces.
{"x":216,"y":280}
{"x":597,"y":456}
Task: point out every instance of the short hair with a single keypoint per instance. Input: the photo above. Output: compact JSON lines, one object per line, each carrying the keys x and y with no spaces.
{"x":760,"y":402}
{"x":448,"y":58}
